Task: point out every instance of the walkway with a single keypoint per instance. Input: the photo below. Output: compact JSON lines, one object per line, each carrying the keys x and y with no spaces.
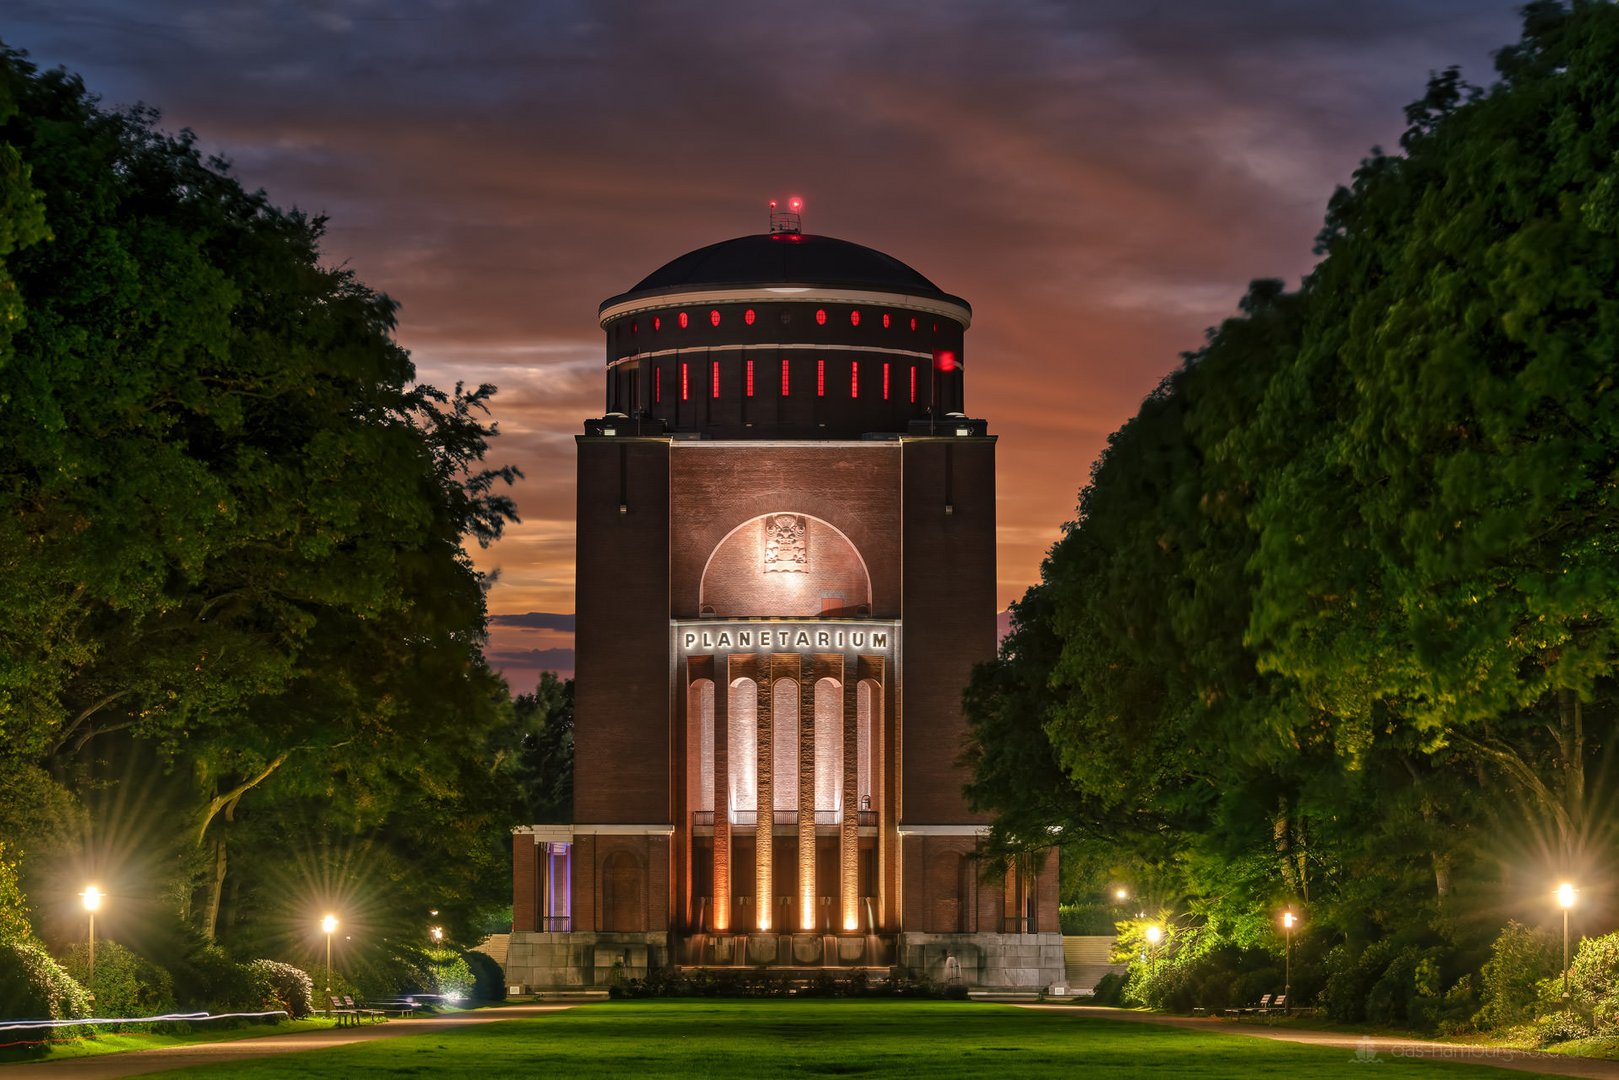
{"x":1364,"y":1047}
{"x":137,"y":1062}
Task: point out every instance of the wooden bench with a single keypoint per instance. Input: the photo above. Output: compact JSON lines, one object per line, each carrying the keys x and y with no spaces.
{"x":1263,"y":1006}
{"x":347,"y":1016}
{"x":1277,"y":1005}
{"x":374,"y":1015}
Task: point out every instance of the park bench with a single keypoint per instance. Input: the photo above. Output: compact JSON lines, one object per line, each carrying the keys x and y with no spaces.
{"x":1277,"y":1005}
{"x":361,"y":1010}
{"x":401,"y":1007}
{"x":1263,"y":1006}
{"x":346,"y":1015}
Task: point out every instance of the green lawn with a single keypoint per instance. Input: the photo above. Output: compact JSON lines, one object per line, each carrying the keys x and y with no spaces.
{"x":119,"y":1042}
{"x":939,"y":1040}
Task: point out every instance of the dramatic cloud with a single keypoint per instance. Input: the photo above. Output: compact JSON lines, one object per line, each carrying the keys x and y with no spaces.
{"x":1101,"y":181}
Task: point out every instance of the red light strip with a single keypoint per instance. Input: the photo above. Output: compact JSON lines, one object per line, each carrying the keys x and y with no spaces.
{"x":685,"y":384}
{"x":820,"y":378}
{"x":750,"y":378}
{"x":854,"y":378}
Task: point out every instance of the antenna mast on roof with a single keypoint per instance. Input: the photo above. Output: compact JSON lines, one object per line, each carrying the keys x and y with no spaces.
{"x":790,"y":220}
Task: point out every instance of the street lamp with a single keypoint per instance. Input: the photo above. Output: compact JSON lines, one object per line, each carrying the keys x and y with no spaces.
{"x":92,"y":901}
{"x":1565,"y":900}
{"x":1288,"y":919}
{"x":437,"y":933}
{"x":1155,"y":934}
{"x":329,"y":924}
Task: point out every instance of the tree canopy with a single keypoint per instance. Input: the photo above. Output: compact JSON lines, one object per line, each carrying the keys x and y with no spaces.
{"x":1336,"y":623}
{"x":238,"y":622}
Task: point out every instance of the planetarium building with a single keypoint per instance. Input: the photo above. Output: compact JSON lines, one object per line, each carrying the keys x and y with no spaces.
{"x":786,"y":571}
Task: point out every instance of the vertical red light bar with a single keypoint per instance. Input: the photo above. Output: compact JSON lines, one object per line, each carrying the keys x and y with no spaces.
{"x":913,"y":384}
{"x":657,"y":384}
{"x":786,"y":383}
{"x":854,"y":378}
{"x":714,"y":379}
{"x":885,"y":380}
{"x":820,"y":378}
{"x":685,"y":383}
{"x":750,"y":378}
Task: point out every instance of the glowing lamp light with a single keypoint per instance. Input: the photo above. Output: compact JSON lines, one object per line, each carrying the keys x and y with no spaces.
{"x":1121,"y":894}
{"x":714,"y":317}
{"x":1565,"y":896}
{"x":1289,"y":919}
{"x":683,"y":320}
{"x":945,"y":360}
{"x":1155,"y":934}
{"x":747,"y":316}
{"x":850,"y":923}
{"x":329,"y":923}
{"x":795,"y":204}
{"x":92,"y":898}
{"x":437,"y":933}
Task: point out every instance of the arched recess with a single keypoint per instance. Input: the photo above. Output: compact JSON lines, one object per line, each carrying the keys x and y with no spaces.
{"x":828,"y":745}
{"x":785,"y":565}
{"x":623,"y":893}
{"x":868,"y":712}
{"x":741,"y":754}
{"x":784,"y":722}
{"x":700,"y":745}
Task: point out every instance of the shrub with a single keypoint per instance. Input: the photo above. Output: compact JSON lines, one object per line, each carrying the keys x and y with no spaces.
{"x":125,"y":984}
{"x":34,"y":986}
{"x":1593,"y":981}
{"x":219,"y":984}
{"x":488,"y":980}
{"x":291,"y":988}
{"x":1350,"y":978}
{"x":1109,"y":989}
{"x":1519,"y":958}
{"x":449,"y":973}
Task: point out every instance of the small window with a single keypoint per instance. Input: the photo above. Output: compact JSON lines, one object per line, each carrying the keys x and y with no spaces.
{"x":820,"y":378}
{"x":635,"y":327}
{"x":685,"y":383}
{"x":854,"y":317}
{"x":747,"y":316}
{"x":913,"y":324}
{"x":886,"y":320}
{"x":714,"y":317}
{"x":786,"y":384}
{"x":657,"y":323}
{"x":750,"y":378}
{"x":854,"y":378}
{"x":683,"y":320}
{"x":913,"y":384}
{"x":714,"y":379}
{"x":820,"y":317}
{"x":885,"y":377}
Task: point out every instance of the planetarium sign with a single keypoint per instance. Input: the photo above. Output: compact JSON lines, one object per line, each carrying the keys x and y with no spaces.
{"x":710,"y":636}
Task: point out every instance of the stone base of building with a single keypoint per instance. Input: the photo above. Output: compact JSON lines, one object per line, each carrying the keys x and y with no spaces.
{"x":582,"y":960}
{"x":1022,"y":962}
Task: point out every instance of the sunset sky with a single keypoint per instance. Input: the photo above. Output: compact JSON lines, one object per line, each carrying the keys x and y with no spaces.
{"x":1099,"y":180}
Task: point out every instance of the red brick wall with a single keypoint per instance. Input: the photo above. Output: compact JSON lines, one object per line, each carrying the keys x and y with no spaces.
{"x":621,"y":688}
{"x":525,"y":884}
{"x":949,"y":615}
{"x":854,"y":488}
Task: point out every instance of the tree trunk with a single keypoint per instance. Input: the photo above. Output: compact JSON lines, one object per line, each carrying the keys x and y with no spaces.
{"x":216,"y":890}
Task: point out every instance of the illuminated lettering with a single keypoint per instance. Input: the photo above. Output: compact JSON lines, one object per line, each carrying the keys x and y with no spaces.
{"x":823,"y":639}
{"x":879,"y":640}
{"x":744,"y":638}
{"x":803,"y":639}
{"x":857,"y":639}
{"x":690,"y":640}
{"x":727,"y":637}
{"x":724,"y":641}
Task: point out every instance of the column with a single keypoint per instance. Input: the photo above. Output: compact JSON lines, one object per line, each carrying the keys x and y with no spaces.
{"x":724,"y":671}
{"x":764,"y":817}
{"x":811,"y":673}
{"x":849,"y":833}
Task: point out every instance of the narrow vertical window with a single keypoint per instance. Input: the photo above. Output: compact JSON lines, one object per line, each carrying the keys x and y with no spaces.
{"x":885,"y":380}
{"x":820,"y":317}
{"x":820,"y":378}
{"x":747,"y":316}
{"x":750,"y":378}
{"x":685,"y":382}
{"x":854,"y":317}
{"x":786,"y":383}
{"x":657,"y":385}
{"x":886,"y":320}
{"x":714,"y":317}
{"x":913,"y":384}
{"x":854,"y":378}
{"x":714,"y":378}
{"x":683,"y":320}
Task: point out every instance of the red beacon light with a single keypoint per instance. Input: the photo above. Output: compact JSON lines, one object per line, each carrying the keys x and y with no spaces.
{"x":787,"y":224}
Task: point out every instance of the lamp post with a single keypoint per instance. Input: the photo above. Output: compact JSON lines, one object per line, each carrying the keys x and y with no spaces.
{"x":92,"y":901}
{"x":329,"y":924}
{"x":1288,"y":919}
{"x":1155,"y":934}
{"x":1565,"y":900}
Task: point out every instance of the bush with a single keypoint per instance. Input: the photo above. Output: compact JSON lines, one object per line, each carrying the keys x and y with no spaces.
{"x":1109,"y":989}
{"x":1593,"y":982}
{"x":449,"y":974}
{"x":1519,"y":958}
{"x":219,"y":984}
{"x":291,"y":988}
{"x":125,"y":984}
{"x":35,"y":987}
{"x":488,"y":980}
{"x":1350,"y":978}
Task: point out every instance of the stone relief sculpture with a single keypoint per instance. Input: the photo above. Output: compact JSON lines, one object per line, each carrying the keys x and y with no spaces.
{"x":786,"y":544}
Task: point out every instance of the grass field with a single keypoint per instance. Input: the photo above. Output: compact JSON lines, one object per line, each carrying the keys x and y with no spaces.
{"x":938,"y":1040}
{"x":120,"y":1042}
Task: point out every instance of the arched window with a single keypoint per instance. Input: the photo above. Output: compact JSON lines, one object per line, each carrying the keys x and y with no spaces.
{"x":828,"y":745}
{"x":741,"y":754}
{"x":700,"y":745}
{"x":867,"y":707}
{"x":784,"y":741}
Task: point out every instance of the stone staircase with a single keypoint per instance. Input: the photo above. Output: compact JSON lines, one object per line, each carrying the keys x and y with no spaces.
{"x":495,"y":946}
{"x":1085,"y":961}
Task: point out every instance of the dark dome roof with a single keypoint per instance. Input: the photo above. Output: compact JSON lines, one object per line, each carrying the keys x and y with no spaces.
{"x":786,"y":259}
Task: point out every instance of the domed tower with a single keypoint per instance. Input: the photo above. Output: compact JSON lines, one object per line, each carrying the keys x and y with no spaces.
{"x":786,"y":571}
